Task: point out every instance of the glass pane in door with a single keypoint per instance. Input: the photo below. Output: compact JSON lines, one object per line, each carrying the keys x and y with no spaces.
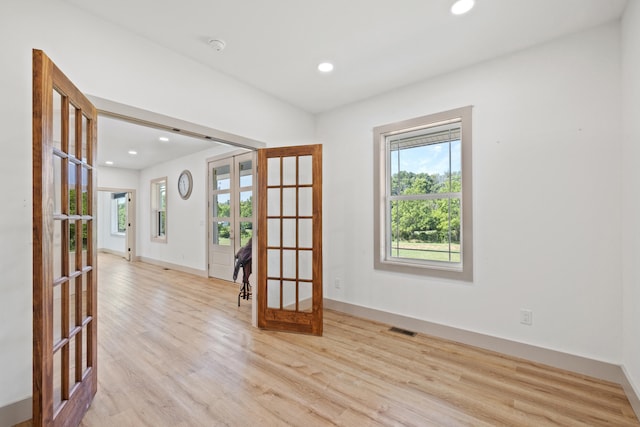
{"x":246,"y":174}
{"x":222,"y":232}
{"x":246,"y":232}
{"x":72,"y":131}
{"x":57,"y":120}
{"x":222,"y":205}
{"x":246,"y":204}
{"x":222,"y":177}
{"x":273,"y":294}
{"x":84,"y":152}
{"x":289,"y":295}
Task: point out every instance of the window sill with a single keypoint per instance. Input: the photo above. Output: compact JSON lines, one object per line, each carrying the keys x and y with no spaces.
{"x":432,"y":269}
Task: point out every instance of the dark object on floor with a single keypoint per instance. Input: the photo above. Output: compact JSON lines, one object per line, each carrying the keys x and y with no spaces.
{"x":243,"y":260}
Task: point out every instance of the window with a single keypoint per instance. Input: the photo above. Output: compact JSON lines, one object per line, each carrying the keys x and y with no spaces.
{"x":118,"y":213}
{"x":159,"y":209}
{"x":423,"y":203}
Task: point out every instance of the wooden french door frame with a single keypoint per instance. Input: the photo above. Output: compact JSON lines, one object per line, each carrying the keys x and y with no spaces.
{"x":290,"y":239}
{"x":64,"y":248}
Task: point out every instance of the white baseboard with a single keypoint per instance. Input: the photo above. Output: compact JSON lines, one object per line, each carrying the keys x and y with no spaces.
{"x":112,"y":252}
{"x":170,"y":266}
{"x":16,"y":413}
{"x":632,"y":394}
{"x":582,"y":365}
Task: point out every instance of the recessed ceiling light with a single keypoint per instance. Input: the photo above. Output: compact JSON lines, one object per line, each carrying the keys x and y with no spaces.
{"x":108,"y":162}
{"x":462,"y":6}
{"x":133,"y":152}
{"x":325,"y":67}
{"x":164,"y":139}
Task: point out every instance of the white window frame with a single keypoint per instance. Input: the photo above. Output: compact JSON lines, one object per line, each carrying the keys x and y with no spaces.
{"x":382,"y":194}
{"x":156,"y":209}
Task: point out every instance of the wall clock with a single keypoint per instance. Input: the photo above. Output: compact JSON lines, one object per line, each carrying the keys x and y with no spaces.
{"x":185,"y":184}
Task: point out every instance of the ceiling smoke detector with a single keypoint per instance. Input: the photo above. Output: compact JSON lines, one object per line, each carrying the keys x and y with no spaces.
{"x":217,"y":44}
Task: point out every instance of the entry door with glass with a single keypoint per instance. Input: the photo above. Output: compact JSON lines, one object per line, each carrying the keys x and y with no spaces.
{"x":231,"y":190}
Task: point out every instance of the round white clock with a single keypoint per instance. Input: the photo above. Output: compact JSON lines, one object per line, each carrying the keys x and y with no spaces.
{"x":185,"y":184}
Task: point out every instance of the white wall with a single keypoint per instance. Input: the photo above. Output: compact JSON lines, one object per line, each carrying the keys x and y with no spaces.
{"x":631,"y":185}
{"x":108,"y":62}
{"x":117,"y":178}
{"x":546,"y":153}
{"x":186,"y":219}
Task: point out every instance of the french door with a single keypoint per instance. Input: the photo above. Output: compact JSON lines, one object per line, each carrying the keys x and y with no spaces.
{"x":231,"y":211}
{"x":64,"y":248}
{"x":290,"y":239}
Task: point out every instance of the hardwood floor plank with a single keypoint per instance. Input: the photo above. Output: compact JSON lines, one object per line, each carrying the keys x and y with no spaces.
{"x":176,"y":350}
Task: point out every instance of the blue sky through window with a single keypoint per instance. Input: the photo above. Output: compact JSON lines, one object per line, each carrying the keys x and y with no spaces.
{"x":430,"y":159}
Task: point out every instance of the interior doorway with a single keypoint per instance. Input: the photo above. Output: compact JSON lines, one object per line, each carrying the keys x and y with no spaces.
{"x":117,"y":222}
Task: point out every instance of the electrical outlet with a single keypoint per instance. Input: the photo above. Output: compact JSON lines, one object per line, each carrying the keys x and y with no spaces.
{"x":337,"y":282}
{"x":526,"y":316}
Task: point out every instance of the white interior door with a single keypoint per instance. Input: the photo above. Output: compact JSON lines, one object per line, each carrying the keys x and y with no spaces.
{"x":231,"y":211}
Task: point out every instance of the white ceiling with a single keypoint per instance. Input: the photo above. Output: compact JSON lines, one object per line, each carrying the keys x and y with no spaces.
{"x":117,"y":137}
{"x":376,"y":45}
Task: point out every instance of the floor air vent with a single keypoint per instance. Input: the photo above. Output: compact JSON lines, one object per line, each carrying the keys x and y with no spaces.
{"x":402,"y":331}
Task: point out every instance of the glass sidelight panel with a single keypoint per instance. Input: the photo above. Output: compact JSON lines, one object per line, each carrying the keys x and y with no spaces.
{"x":289,"y":171}
{"x":289,"y":295}
{"x":305,"y":171}
{"x":273,"y":294}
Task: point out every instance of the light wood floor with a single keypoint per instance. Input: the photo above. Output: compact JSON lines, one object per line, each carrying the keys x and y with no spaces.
{"x":175,"y":350}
